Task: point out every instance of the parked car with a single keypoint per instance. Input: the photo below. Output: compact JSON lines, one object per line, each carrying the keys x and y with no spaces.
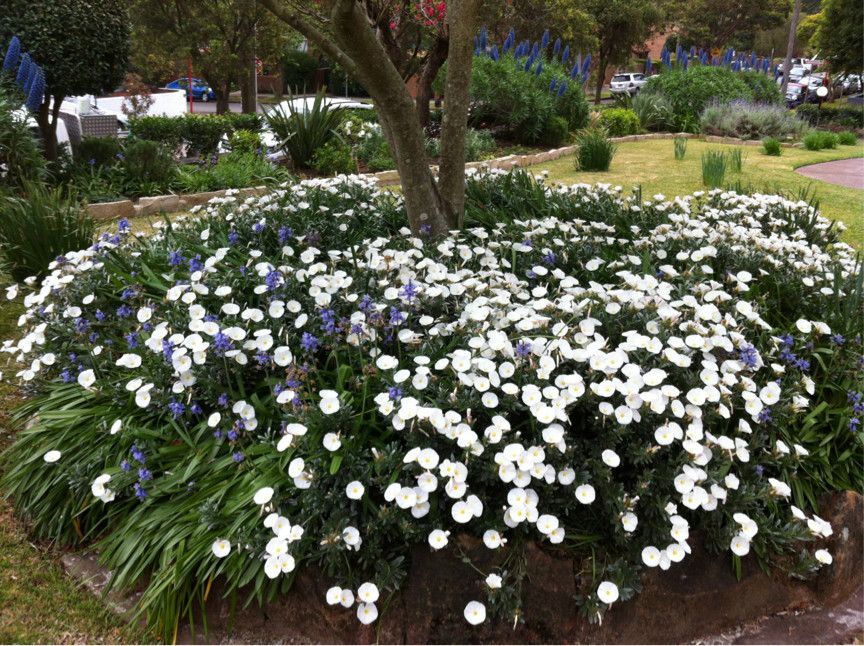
{"x":627,"y":83}
{"x":796,"y":94}
{"x":797,"y":73}
{"x":200,"y":90}
{"x":847,"y":84}
{"x":813,"y":82}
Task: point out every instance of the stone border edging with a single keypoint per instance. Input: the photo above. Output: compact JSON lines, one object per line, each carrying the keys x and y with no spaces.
{"x":181,"y":202}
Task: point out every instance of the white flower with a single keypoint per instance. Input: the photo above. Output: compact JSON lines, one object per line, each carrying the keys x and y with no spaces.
{"x":221,"y":548}
{"x":51,"y":456}
{"x":214,"y":419}
{"x":651,"y":556}
{"x":804,"y":326}
{"x":607,"y":592}
{"x":355,"y":490}
{"x":629,"y":521}
{"x":263,"y":495}
{"x":585,"y":494}
{"x":367,"y":613}
{"x":740,"y":545}
{"x":329,"y":403}
{"x":86,"y":378}
{"x":475,"y":613}
{"x":492,"y":539}
{"x":438,"y":539}
{"x":334,"y":595}
{"x":610,"y":458}
{"x":332,"y":442}
{"x":368,"y":592}
{"x":824,"y":557}
{"x":493,"y":581}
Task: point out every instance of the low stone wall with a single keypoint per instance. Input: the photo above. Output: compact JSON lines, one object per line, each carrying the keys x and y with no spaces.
{"x":163,"y":203}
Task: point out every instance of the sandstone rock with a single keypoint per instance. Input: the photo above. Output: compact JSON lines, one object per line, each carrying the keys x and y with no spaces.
{"x":111,"y":210}
{"x":195,"y":199}
{"x":157,"y":204}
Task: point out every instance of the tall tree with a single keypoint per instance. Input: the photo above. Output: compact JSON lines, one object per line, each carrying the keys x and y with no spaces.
{"x":619,"y":26}
{"x":347,"y":31}
{"x":714,"y":25}
{"x":839,"y":37}
{"x":790,"y":46}
{"x":82,"y":45}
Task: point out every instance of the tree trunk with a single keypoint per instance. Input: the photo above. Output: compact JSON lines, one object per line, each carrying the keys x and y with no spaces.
{"x":46,"y":119}
{"x":790,"y":47}
{"x":433,"y":64}
{"x":248,"y":91}
{"x":223,"y":97}
{"x":461,"y":21}
{"x":601,"y":76}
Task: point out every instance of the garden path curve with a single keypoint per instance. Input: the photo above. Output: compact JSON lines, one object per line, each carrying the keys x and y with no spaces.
{"x":845,"y":172}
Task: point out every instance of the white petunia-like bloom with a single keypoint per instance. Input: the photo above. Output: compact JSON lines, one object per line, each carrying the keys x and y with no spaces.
{"x":221,"y":548}
{"x":438,"y":539}
{"x":51,"y":456}
{"x":329,"y":403}
{"x":475,"y":613}
{"x":367,"y":613}
{"x":824,"y":557}
{"x":740,"y":545}
{"x":607,"y":592}
{"x":368,"y":592}
{"x":86,"y":378}
{"x":263,"y":495}
{"x":493,"y":581}
{"x":610,"y":458}
{"x":354,"y":490}
{"x":585,"y":494}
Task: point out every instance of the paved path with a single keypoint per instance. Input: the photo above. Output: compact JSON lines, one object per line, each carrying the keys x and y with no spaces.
{"x":845,"y":172}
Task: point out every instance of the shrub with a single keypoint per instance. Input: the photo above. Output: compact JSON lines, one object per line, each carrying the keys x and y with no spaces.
{"x":594,"y":150}
{"x":323,"y":417}
{"x":819,"y":139}
{"x":39,"y":227}
{"x":713,"y":168}
{"x":847,"y":138}
{"x":763,"y":87}
{"x":750,"y":121}
{"x":478,"y":144}
{"x":555,"y":132}
{"x":242,"y":121}
{"x":504,"y":95}
{"x":654,"y":111}
{"x":244,"y":141}
{"x":298,"y":69}
{"x":620,"y":122}
{"x":147,"y":168}
{"x":736,"y":160}
{"x":303,"y":131}
{"x":689,"y":91}
{"x":680,"y":144}
{"x":203,"y":132}
{"x":333,"y":158}
{"x":771,"y":146}
{"x":21,"y":160}
{"x":164,"y":130}
{"x":235,"y":170}
{"x":829,"y":139}
{"x":846,"y":115}
{"x":98,"y":151}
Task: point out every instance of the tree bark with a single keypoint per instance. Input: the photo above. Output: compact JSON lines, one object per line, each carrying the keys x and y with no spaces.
{"x":601,"y":76}
{"x":461,"y":21}
{"x":46,"y":119}
{"x":248,"y":95}
{"x":223,"y":97}
{"x":431,"y":67}
{"x":790,"y":47}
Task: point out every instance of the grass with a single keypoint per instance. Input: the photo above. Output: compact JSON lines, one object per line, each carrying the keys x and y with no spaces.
{"x":651,"y":164}
{"x":39,"y":603}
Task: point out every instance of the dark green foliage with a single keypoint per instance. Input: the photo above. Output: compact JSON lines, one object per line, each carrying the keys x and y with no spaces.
{"x":819,"y":139}
{"x":765,"y":89}
{"x":244,"y":141}
{"x":478,"y":144}
{"x":771,"y":146}
{"x":680,"y":144}
{"x":147,"y":168}
{"x":713,"y":168}
{"x":839,"y":37}
{"x":333,"y":158}
{"x":202,"y":133}
{"x":690,"y":91}
{"x":504,"y":95}
{"x":21,"y":159}
{"x":846,"y":115}
{"x":555,"y":132}
{"x":98,"y":151}
{"x":165,"y":130}
{"x":595,"y":150}
{"x":298,"y":70}
{"x":237,"y":169}
{"x":620,"y":122}
{"x":82,"y":45}
{"x":38,"y":227}
{"x":847,"y":138}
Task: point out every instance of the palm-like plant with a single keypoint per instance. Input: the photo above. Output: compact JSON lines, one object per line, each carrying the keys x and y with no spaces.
{"x":303,"y":129}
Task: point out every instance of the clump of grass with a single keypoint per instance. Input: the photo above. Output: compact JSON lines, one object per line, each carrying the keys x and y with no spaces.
{"x":680,"y":147}
{"x":847,"y":138}
{"x":771,"y":146}
{"x":713,"y":168}
{"x":595,"y":150}
{"x":819,"y":139}
{"x":736,"y":160}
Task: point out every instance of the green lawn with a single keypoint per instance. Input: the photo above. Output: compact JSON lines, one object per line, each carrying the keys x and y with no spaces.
{"x":651,"y":164}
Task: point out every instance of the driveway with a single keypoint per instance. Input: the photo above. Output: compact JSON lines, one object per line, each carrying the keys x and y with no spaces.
{"x":843,"y":172}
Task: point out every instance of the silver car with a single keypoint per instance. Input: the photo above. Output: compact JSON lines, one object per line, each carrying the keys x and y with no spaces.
{"x":627,"y":83}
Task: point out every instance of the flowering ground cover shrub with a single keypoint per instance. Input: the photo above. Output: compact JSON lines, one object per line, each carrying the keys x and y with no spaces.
{"x":751,"y":121}
{"x":294,"y":380}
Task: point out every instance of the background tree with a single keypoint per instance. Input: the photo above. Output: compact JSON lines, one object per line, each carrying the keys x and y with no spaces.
{"x":714,"y":25}
{"x":82,"y":45}
{"x":839,"y":38}
{"x":347,"y":32}
{"x":619,"y":26}
{"x":790,"y":46}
